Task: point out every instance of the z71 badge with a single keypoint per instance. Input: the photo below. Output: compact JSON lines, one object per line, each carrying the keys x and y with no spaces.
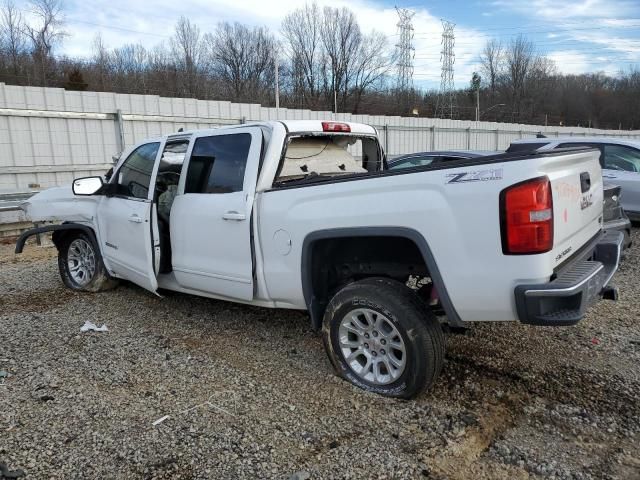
{"x":476,"y":176}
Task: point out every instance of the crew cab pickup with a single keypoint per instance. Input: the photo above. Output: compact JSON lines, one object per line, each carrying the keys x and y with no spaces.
{"x":304,"y":215}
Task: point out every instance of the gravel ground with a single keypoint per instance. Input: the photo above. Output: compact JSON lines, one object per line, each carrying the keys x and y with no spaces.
{"x":250,"y":394}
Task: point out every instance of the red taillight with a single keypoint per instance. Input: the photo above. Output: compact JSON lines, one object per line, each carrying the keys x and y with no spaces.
{"x":335,"y":127}
{"x":527,"y":217}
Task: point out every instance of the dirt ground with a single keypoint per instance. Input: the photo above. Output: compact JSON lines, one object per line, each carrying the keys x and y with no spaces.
{"x":249,"y":393}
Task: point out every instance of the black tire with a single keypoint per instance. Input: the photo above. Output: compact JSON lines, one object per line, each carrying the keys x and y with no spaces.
{"x":423,"y":338}
{"x":99,"y":281}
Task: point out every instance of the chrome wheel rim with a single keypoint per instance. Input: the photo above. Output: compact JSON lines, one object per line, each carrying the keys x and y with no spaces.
{"x":372,"y":346}
{"x":81,"y":260}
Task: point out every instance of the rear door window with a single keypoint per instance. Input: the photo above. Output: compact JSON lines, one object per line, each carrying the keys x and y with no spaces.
{"x":218,"y":163}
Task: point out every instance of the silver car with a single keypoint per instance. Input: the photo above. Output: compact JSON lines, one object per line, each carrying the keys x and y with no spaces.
{"x":619,"y":157}
{"x":421,"y":159}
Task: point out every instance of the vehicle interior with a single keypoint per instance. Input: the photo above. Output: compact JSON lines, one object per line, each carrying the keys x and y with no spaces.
{"x":165,"y":192}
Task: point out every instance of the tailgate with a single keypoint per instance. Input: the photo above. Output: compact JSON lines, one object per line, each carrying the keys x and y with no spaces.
{"x":576,"y":183}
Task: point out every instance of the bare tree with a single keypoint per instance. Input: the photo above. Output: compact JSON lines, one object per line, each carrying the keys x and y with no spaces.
{"x":101,"y":60}
{"x":161,"y":73}
{"x":540,"y":83}
{"x":491,"y":60}
{"x":301,"y":30}
{"x":243,"y":57}
{"x":129,"y":64}
{"x":46,"y":31}
{"x":371,"y":65}
{"x":520,"y":58}
{"x":12,"y":36}
{"x":341,"y":39}
{"x":186,"y":48}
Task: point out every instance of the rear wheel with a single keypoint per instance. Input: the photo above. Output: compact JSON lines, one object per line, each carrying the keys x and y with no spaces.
{"x":381,"y":337}
{"x":80,"y":265}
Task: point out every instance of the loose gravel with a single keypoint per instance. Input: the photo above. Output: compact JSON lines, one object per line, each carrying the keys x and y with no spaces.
{"x":184,"y":387}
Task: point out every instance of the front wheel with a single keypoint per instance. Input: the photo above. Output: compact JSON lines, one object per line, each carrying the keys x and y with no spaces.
{"x":381,"y":337}
{"x":80,"y":266}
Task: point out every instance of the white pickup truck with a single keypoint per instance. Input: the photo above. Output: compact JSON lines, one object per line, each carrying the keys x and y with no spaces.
{"x":304,"y":215}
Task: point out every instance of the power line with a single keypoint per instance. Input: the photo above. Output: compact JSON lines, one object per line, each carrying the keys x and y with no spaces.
{"x":427,"y":35}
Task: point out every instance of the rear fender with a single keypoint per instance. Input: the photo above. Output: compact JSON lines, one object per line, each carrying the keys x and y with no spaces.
{"x":316,"y":307}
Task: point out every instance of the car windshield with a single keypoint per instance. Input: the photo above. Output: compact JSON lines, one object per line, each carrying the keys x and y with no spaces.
{"x":620,"y":157}
{"x":416,"y":161}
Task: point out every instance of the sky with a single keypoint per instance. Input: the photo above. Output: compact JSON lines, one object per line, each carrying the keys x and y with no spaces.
{"x":579,"y":35}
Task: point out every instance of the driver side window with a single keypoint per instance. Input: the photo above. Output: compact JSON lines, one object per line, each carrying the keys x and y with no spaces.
{"x":134,"y":176}
{"x":619,"y":157}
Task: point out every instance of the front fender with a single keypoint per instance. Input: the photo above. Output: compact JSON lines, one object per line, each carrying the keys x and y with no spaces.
{"x":59,"y":204}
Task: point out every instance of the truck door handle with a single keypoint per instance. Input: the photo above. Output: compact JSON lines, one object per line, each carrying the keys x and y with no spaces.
{"x":135,"y":218}
{"x":585,"y":182}
{"x":233,"y":215}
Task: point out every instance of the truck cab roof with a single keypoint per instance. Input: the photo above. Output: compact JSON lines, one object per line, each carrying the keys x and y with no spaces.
{"x":291,"y":127}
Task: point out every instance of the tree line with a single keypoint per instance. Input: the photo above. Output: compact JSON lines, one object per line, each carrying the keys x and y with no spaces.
{"x":324,"y":60}
{"x":523,"y":86}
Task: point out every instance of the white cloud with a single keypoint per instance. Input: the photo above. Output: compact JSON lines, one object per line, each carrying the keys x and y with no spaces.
{"x":571,"y":62}
{"x":561,"y":11}
{"x":606,"y":28}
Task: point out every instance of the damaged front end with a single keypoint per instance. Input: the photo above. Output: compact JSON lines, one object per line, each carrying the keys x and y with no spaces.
{"x":59,"y":204}
{"x":57,"y":209}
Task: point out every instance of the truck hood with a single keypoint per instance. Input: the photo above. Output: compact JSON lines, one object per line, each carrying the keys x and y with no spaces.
{"x":59,"y":204}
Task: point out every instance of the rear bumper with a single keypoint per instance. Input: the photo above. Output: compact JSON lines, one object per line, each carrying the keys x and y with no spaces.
{"x":565,"y":300}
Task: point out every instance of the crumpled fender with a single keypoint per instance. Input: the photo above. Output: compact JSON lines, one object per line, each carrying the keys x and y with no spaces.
{"x":58,"y":205}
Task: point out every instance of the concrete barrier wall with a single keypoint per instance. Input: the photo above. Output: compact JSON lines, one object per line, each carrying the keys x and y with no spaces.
{"x":48,"y":136}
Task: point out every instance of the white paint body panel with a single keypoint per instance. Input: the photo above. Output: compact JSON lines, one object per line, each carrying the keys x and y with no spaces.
{"x":59,"y":204}
{"x":459,"y":221}
{"x":211,"y":233}
{"x":125,"y":239}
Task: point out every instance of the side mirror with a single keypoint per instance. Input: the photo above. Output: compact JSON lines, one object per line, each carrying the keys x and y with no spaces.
{"x":87,"y":185}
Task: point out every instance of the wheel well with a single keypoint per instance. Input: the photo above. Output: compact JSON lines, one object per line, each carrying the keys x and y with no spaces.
{"x":58,"y":236}
{"x":334,"y":262}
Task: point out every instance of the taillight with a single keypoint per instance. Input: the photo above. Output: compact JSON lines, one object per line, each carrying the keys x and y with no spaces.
{"x":527,"y":217}
{"x":335,"y":127}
